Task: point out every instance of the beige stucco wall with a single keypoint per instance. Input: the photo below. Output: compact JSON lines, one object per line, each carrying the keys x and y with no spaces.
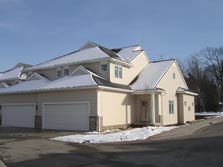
{"x":187,"y":111}
{"x":95,"y":67}
{"x":18,"y":98}
{"x":129,"y":73}
{"x":171,"y":85}
{"x":116,"y":108}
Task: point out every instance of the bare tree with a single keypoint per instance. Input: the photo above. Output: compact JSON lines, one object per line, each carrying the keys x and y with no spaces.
{"x":214,"y":61}
{"x":194,"y":79}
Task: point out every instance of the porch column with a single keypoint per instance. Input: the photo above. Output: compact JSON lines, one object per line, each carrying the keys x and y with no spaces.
{"x":153,"y":116}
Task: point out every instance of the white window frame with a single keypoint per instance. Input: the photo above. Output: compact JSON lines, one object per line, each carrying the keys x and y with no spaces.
{"x":61,"y":74}
{"x":103,"y":63}
{"x":171,"y":107}
{"x":66,"y":68}
{"x":119,"y":71}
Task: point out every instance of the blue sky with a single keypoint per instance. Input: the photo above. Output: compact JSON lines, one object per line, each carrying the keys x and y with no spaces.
{"x":32,"y":31}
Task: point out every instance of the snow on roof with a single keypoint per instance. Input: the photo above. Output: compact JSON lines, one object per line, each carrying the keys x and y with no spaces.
{"x":71,"y":82}
{"x":129,"y":53}
{"x":44,"y":84}
{"x":26,"y":86}
{"x":78,"y":56}
{"x":11,"y":74}
{"x":4,"y":85}
{"x":151,"y":75}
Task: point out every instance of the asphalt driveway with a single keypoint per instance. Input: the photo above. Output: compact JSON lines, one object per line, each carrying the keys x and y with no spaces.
{"x":197,"y":145}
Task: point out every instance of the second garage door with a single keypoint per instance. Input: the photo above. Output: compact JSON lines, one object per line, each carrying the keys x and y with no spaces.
{"x":66,"y":116}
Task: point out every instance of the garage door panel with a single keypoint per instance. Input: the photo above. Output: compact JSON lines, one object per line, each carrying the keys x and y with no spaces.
{"x":19,"y":115}
{"x":74,"y":116}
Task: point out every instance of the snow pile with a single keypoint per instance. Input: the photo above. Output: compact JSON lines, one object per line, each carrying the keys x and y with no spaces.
{"x":120,"y":136}
{"x":209,"y":114}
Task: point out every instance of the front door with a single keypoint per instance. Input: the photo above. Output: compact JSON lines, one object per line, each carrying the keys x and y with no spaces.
{"x":144,"y":115}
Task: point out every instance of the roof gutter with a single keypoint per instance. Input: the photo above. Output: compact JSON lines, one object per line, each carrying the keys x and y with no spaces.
{"x":148,"y":91}
{"x":66,"y":89}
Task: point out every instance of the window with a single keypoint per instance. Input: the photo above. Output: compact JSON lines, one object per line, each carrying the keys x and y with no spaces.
{"x":104,"y":67}
{"x":185,"y":103}
{"x":118,"y":71}
{"x":171,"y":107}
{"x":174,"y":76}
{"x":192,"y":103}
{"x":66,"y":71}
{"x":189,"y":108}
{"x":59,"y":72}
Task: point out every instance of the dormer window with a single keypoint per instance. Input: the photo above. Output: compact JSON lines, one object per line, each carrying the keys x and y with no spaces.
{"x":104,"y":67}
{"x":118,"y":71}
{"x":59,"y":72}
{"x":66,"y":71}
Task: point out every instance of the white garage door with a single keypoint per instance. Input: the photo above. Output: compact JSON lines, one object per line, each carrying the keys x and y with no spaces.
{"x":18,"y":115}
{"x":66,"y":116}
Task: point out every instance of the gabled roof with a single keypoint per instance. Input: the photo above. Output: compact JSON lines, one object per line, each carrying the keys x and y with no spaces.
{"x":4,"y":85}
{"x":11,"y":74}
{"x":129,"y":53}
{"x":151,"y":75}
{"x":89,"y":52}
{"x":88,"y":79}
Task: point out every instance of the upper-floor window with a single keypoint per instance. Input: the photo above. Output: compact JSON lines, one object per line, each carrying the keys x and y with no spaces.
{"x":66,"y":71}
{"x":174,"y":75}
{"x":171,"y":107}
{"x":59,"y":72}
{"x":118,"y":71}
{"x":104,"y":67}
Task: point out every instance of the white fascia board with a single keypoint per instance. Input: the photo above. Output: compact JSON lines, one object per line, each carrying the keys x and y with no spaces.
{"x":148,"y":91}
{"x":121,"y":62}
{"x":114,"y":89}
{"x":50,"y":90}
{"x":187,"y":93}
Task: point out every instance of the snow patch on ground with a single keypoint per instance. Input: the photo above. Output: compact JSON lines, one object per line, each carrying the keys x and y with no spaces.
{"x":209,"y":114}
{"x":115,"y":136}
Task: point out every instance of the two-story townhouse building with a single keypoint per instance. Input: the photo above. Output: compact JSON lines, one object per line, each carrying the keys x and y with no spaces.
{"x":96,"y":88}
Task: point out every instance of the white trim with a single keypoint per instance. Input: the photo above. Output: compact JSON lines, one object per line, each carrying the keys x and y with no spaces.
{"x":182,"y":77}
{"x":5,"y":85}
{"x":18,"y":104}
{"x":61,"y":70}
{"x":119,"y":66}
{"x":63,"y":103}
{"x":66,"y":68}
{"x":148,"y":91}
{"x":15,"y":104}
{"x":85,"y":70}
{"x":167,"y":69}
{"x":36,"y":75}
{"x":80,"y":68}
{"x":114,"y":89}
